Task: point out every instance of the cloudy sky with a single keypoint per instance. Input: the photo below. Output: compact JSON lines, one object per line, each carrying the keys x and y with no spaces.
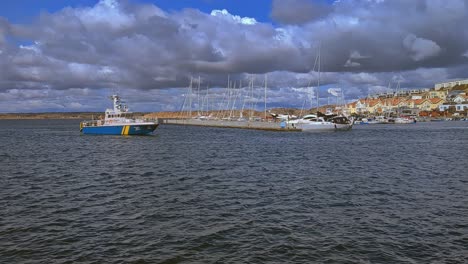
{"x":70,"y":55}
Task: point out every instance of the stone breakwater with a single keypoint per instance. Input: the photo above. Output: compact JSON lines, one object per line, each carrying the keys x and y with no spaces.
{"x":257,"y":125}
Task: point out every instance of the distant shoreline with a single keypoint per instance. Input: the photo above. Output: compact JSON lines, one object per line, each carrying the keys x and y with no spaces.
{"x":76,"y":115}
{"x":70,"y":115}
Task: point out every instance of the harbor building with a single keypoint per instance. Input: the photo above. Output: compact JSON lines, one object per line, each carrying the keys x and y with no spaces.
{"x":450,"y":84}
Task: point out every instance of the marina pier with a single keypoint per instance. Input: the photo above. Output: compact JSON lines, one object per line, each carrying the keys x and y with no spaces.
{"x":255,"y":125}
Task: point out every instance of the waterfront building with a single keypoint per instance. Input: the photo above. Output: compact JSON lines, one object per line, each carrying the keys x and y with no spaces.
{"x":463,"y":107}
{"x":374,"y":106}
{"x":361,"y":106}
{"x":450,"y":84}
{"x":446,"y":107}
{"x":436,"y":102}
{"x":437,"y":94}
{"x":352,"y":108}
{"x":446,"y":98}
{"x":421,"y":104}
{"x":460,"y":98}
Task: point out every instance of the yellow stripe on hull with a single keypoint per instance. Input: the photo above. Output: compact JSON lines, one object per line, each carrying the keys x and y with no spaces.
{"x":125,"y":130}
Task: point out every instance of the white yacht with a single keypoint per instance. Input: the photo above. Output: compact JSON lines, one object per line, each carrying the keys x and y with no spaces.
{"x":313,"y":122}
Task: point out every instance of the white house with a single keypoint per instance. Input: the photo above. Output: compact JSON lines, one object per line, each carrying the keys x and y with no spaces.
{"x":460,"y":98}
{"x":361,"y":106}
{"x":438,"y":86}
{"x":444,"y":107}
{"x":461,"y":107}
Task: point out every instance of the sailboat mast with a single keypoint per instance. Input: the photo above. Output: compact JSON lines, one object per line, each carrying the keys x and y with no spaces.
{"x":251,"y":98}
{"x":190,"y":98}
{"x":198,"y":98}
{"x":318,"y":81}
{"x":265,"y":96}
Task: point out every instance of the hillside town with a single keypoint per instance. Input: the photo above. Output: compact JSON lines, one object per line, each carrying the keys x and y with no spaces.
{"x":449,"y":99}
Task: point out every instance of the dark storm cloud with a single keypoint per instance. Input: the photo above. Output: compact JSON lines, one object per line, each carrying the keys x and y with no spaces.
{"x":299,"y":11}
{"x":394,"y":35}
{"x":127,"y":45}
{"x":144,"y":47}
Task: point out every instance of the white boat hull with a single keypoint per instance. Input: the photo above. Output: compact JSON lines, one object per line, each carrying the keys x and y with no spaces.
{"x":323,"y":126}
{"x":403,"y":121}
{"x":312,"y":124}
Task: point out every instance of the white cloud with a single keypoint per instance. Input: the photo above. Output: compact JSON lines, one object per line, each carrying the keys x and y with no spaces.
{"x":352,"y":64}
{"x":33,"y":48}
{"x":334,"y":91}
{"x":237,"y":19}
{"x":75,"y":105}
{"x":363,"y":77}
{"x":420,"y":48}
{"x":283,"y":35}
{"x":343,"y":22}
{"x":106,"y":70}
{"x":377,"y":89}
{"x":105,"y":12}
{"x":356,"y":55}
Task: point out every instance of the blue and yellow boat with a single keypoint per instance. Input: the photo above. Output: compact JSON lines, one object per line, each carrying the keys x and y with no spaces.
{"x":118,"y":121}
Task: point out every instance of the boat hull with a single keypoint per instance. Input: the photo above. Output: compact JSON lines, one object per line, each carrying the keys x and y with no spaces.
{"x":134,"y":129}
{"x":339,"y":123}
{"x":311,"y":127}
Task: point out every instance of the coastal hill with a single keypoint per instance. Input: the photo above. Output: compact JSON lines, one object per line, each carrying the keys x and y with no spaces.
{"x":51,"y":115}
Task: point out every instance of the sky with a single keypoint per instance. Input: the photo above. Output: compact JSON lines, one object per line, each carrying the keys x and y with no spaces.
{"x":68,"y":56}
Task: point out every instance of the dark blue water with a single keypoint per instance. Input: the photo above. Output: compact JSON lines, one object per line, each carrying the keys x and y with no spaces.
{"x":376,"y":194}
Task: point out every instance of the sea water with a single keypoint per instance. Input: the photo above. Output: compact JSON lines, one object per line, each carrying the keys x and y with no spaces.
{"x":376,"y":194}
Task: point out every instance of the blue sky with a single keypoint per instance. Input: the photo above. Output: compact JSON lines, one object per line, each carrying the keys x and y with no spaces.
{"x":25,"y":10}
{"x":19,"y":11}
{"x":65,"y":55}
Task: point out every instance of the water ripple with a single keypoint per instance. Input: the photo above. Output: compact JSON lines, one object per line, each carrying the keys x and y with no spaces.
{"x":378,"y":194}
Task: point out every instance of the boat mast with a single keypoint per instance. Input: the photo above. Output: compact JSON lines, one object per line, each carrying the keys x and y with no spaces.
{"x":241,"y":114}
{"x":266,"y":96}
{"x":251,"y":97}
{"x":190,"y":98}
{"x":318,"y":81}
{"x":198,"y":97}
{"x":206,"y":101}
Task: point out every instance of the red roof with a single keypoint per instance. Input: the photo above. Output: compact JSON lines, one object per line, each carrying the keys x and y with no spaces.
{"x":435,"y":100}
{"x":373,"y":102}
{"x":419,"y":101}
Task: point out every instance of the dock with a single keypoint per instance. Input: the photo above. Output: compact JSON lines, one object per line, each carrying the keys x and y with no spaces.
{"x":255,"y":125}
